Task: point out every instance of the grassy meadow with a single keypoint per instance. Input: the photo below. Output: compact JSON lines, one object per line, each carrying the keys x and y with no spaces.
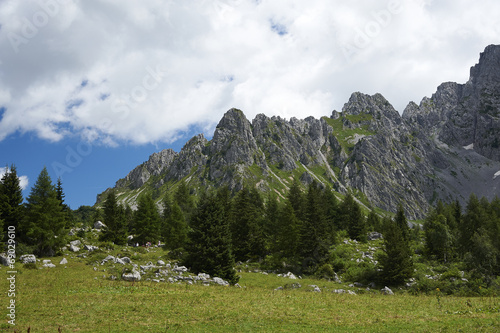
{"x":77,"y":298}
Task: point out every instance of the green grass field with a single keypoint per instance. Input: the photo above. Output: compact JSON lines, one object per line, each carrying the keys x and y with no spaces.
{"x":79,"y":299}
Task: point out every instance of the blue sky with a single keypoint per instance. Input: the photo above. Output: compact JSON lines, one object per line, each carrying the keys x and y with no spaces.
{"x":130,"y":78}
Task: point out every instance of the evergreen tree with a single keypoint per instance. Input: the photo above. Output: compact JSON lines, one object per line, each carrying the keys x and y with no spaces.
{"x":147,"y":220}
{"x":470,"y":223}
{"x":353,"y":219}
{"x":11,"y":199}
{"x":246,"y":225}
{"x":176,"y":229}
{"x":115,"y":230}
{"x":128,"y":216}
{"x":184,"y":199}
{"x":330,"y":207}
{"x":271,"y":221}
{"x":68,"y":215}
{"x":313,"y":237}
{"x":296,"y":199}
{"x":44,"y":221}
{"x":288,"y":233}
{"x":396,"y":262}
{"x":402,"y":223}
{"x":209,"y":242}
{"x":373,"y":221}
{"x":438,"y":238}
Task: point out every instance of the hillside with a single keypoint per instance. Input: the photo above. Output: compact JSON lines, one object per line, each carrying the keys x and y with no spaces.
{"x":445,"y":148}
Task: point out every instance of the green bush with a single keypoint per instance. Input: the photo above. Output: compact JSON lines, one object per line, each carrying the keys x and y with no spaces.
{"x":325,"y":272}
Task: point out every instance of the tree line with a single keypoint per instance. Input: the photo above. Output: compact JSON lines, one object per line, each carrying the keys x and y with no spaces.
{"x":211,"y":232}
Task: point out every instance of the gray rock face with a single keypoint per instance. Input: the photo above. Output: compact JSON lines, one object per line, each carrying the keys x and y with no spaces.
{"x":445,"y":148}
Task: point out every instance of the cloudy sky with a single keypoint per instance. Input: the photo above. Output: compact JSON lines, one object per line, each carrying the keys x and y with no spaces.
{"x":91,"y":88}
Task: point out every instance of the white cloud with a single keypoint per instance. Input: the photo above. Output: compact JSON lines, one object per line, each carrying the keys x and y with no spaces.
{"x":142,"y":72}
{"x":23,"y":180}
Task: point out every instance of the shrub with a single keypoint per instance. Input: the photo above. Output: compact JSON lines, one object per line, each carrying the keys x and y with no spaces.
{"x":325,"y":272}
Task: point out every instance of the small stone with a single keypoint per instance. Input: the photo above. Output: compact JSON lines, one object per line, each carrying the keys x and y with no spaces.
{"x":64,"y":261}
{"x":386,"y":291}
{"x":133,"y":276}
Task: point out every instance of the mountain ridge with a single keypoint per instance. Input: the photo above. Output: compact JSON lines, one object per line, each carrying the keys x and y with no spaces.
{"x":445,"y":148}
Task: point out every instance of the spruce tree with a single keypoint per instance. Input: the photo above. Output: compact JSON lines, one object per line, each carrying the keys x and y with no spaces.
{"x":246,"y":225}
{"x":402,"y":223}
{"x":184,"y":199}
{"x":470,"y":223}
{"x":113,"y":214}
{"x":271,"y":221}
{"x":296,"y":198}
{"x":330,"y":206}
{"x":288,"y":233}
{"x":353,"y":219}
{"x":373,"y":221}
{"x":44,"y":221}
{"x":313,"y":237}
{"x":11,"y":200}
{"x":175,"y":229}
{"x":147,"y":220}
{"x":68,"y":216}
{"x":209,"y":242}
{"x":395,"y":261}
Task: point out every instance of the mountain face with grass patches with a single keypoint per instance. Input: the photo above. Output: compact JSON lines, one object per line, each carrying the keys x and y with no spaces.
{"x":447,"y":147}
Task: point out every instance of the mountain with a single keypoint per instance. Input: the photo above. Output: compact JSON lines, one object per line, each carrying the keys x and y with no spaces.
{"x":447,"y":147}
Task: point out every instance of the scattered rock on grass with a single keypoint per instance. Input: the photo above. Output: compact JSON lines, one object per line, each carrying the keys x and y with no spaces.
{"x":386,"y":291}
{"x":28,"y":259}
{"x":132,"y":276}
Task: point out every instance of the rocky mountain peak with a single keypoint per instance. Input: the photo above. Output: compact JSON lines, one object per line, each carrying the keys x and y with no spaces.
{"x":487,"y":71}
{"x":445,"y":148}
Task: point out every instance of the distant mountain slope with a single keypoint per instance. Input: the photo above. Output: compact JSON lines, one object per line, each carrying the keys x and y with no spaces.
{"x":445,"y":148}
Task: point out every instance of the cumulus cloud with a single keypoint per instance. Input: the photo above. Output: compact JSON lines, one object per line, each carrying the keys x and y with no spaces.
{"x":23,"y":180}
{"x":113,"y":71}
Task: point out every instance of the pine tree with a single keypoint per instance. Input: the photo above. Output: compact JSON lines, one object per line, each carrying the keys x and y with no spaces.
{"x":44,"y":223}
{"x":147,"y":220}
{"x":287,"y":234}
{"x":246,"y":228}
{"x":296,"y":199}
{"x":396,"y":262}
{"x":175,"y":229}
{"x":353,"y":219}
{"x":313,"y":237}
{"x":271,"y":221}
{"x":184,"y":199}
{"x":11,"y":199}
{"x":373,"y":221}
{"x":402,"y":223}
{"x":68,"y":216}
{"x":470,"y":223}
{"x":209,"y":242}
{"x":115,"y":230}
{"x":330,"y":206}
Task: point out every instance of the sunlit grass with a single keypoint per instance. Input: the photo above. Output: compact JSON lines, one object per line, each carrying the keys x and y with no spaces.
{"x":79,"y":299}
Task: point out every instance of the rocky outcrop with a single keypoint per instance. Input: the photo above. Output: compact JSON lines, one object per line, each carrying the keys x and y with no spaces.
{"x":446,"y":147}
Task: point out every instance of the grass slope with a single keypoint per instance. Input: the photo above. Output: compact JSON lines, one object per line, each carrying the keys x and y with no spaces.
{"x":79,"y":299}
